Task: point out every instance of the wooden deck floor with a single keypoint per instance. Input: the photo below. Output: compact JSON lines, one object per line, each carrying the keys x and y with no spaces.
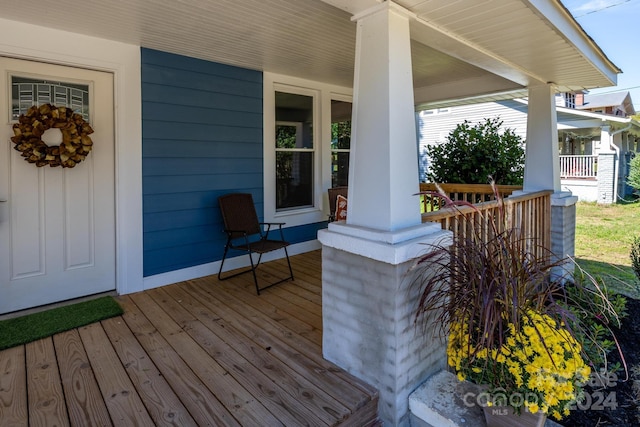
{"x":200,"y":352}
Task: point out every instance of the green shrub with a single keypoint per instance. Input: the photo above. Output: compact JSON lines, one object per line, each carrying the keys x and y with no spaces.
{"x":635,"y":256}
{"x":634,"y":173}
{"x":472,"y":153}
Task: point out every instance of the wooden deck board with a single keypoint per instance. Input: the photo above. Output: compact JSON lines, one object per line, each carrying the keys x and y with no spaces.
{"x":304,"y":285}
{"x":203,"y":405}
{"x":246,"y":408}
{"x":302,"y":355}
{"x":300,"y":309}
{"x":13,"y":387}
{"x":269,"y":392}
{"x":123,"y":403}
{"x":160,"y":400}
{"x":272,"y":309}
{"x":200,"y":352}
{"x":80,"y":387}
{"x":309,"y":392}
{"x":44,"y":389}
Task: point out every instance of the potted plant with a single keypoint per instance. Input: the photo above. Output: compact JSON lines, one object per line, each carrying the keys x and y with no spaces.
{"x":509,"y":323}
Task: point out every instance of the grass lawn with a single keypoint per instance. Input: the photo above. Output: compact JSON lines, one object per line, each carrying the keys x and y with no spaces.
{"x":604,"y":234}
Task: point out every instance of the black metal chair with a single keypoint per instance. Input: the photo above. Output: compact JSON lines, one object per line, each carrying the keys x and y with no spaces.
{"x":245,"y":233}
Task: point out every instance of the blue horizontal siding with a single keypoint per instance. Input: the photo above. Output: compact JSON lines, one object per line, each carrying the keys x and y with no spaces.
{"x":180,"y":96}
{"x":178,"y":220}
{"x":201,"y":166}
{"x":187,"y":64}
{"x":174,"y":184}
{"x":191,"y":200}
{"x":173,"y":250}
{"x":303,"y":233}
{"x":177,"y":131}
{"x":213,"y":116}
{"x":181,"y":237}
{"x":202,"y":137}
{"x":190,"y":80}
{"x":177,"y":257}
{"x":176,"y":149}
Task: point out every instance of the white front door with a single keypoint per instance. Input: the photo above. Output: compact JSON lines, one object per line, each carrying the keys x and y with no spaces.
{"x":57,"y":225}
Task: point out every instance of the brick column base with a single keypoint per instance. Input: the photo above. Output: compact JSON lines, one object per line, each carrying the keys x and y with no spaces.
{"x":606,"y":177}
{"x":368,"y":311}
{"x":563,"y":230}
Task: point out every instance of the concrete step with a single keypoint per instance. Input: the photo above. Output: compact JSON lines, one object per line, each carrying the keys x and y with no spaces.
{"x":443,"y":401}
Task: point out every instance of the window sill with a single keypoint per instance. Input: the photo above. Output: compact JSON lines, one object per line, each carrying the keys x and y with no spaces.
{"x":293,"y":218}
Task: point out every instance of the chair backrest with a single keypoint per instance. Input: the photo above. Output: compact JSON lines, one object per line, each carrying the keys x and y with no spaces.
{"x":239,"y":213}
{"x":333,"y":195}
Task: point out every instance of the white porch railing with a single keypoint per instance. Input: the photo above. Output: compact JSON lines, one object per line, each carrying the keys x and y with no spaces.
{"x":578,"y":166}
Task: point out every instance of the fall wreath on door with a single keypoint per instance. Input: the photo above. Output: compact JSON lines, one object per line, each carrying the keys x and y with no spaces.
{"x":76,"y":143}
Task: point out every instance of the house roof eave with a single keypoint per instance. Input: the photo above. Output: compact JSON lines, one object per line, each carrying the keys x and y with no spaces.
{"x":560,"y":17}
{"x":315,"y":39}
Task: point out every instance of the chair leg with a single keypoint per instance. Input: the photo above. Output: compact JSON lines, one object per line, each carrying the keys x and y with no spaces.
{"x":254,"y":267}
{"x":289,"y":263}
{"x":224,"y":256}
{"x":286,"y":253}
{"x":253,"y":270}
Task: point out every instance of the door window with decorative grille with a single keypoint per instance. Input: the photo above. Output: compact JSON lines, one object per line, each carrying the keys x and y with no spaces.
{"x":26,"y":92}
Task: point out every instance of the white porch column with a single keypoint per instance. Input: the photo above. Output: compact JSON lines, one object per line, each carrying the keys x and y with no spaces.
{"x":367,"y":306}
{"x":542,"y":172}
{"x":542,"y":161}
{"x":383,"y":171}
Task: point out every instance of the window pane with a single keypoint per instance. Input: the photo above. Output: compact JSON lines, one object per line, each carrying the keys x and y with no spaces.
{"x":340,"y":142}
{"x":294,"y":179}
{"x":27,"y":92}
{"x":341,"y":135}
{"x":286,"y":136}
{"x":296,"y":110}
{"x":339,"y":169}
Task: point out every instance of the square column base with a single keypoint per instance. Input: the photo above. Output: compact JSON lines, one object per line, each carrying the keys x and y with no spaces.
{"x":607,"y":178}
{"x":368,"y":311}
{"x":563,"y":231}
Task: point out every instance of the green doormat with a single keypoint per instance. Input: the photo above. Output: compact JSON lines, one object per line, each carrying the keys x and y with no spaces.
{"x":22,"y":330}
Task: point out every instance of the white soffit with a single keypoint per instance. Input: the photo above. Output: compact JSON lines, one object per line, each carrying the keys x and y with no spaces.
{"x":524,"y":41}
{"x":460,"y":48}
{"x":304,"y":38}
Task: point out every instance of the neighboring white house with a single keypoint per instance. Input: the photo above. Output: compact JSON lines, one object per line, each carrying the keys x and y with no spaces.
{"x":596,"y":138}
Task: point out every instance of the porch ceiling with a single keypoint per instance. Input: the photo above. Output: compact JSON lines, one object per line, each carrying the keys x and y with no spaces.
{"x":460,"y":48}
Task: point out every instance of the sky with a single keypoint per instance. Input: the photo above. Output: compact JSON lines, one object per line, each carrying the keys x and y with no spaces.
{"x":615,"y":26}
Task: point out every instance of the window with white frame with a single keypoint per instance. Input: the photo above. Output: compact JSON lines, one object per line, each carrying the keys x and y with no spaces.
{"x":303,"y":156}
{"x":295,"y":151}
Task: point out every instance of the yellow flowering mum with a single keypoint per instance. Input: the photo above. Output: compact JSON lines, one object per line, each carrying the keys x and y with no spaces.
{"x":541,"y":360}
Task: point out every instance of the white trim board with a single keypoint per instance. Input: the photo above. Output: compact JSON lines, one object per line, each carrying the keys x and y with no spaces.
{"x":31,"y":42}
{"x":212,"y":268}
